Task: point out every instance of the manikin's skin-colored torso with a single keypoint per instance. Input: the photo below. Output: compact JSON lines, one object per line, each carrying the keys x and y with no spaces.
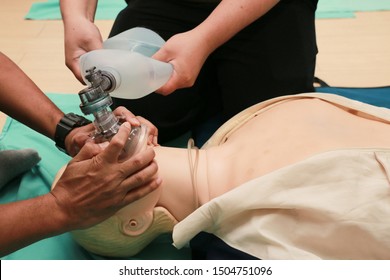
{"x":280,"y":136}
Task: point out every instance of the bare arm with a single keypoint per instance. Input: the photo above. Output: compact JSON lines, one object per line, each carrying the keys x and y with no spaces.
{"x":231,"y":16}
{"x":78,"y":8}
{"x":93,"y":187}
{"x":81,"y":34}
{"x":27,"y":221}
{"x":188,"y":51}
{"x":21,"y":99}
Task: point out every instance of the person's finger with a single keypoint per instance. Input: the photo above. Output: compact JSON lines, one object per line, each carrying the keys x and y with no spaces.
{"x":112,"y":152}
{"x":138,"y":178}
{"x":138,"y":162}
{"x":134,"y":121}
{"x":152,"y":131}
{"x":162,"y":55}
{"x":77,"y":138}
{"x":123,"y":111}
{"x":88,"y":151}
{"x":141,"y":183}
{"x":78,"y":75}
{"x":73,"y":65}
{"x":173,"y":84}
{"x":125,"y":115}
{"x":149,"y":124}
{"x":140,"y":192}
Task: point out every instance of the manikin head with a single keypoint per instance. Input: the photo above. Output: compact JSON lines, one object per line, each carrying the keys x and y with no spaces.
{"x":134,"y":226}
{"x":129,"y":230}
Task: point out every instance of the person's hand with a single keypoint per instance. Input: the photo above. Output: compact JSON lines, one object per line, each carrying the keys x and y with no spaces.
{"x":125,"y":115}
{"x":187,"y":52}
{"x":96,"y":184}
{"x":81,"y":36}
{"x":77,"y":138}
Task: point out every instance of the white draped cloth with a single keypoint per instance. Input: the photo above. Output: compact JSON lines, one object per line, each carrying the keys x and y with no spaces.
{"x":333,"y":205}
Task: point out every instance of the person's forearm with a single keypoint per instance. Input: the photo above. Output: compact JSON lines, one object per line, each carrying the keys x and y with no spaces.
{"x":73,"y":9}
{"x":229,"y":17}
{"x":27,"y":221}
{"x":81,"y":35}
{"x":21,"y":99}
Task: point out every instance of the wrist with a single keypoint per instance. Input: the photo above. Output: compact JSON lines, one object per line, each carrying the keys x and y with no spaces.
{"x":71,"y":10}
{"x":67,"y":123}
{"x":58,"y":221}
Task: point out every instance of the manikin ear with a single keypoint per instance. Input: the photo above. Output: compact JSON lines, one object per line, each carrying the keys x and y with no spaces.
{"x":136,"y":217}
{"x":129,"y":231}
{"x":107,"y":238}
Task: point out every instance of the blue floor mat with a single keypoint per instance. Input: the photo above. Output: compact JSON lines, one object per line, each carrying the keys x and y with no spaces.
{"x":378,"y":96}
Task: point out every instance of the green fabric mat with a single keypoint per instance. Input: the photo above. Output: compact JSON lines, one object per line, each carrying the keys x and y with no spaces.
{"x":108,"y":9}
{"x":347,"y":8}
{"x":38,"y":181}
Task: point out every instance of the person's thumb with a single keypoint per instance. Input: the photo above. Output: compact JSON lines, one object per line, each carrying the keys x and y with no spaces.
{"x":88,"y":151}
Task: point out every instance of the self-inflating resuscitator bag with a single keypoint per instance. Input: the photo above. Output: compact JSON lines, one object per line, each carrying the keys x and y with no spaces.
{"x":127,"y":57}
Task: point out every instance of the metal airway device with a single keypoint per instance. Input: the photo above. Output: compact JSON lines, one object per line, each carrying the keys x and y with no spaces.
{"x":96,"y":100}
